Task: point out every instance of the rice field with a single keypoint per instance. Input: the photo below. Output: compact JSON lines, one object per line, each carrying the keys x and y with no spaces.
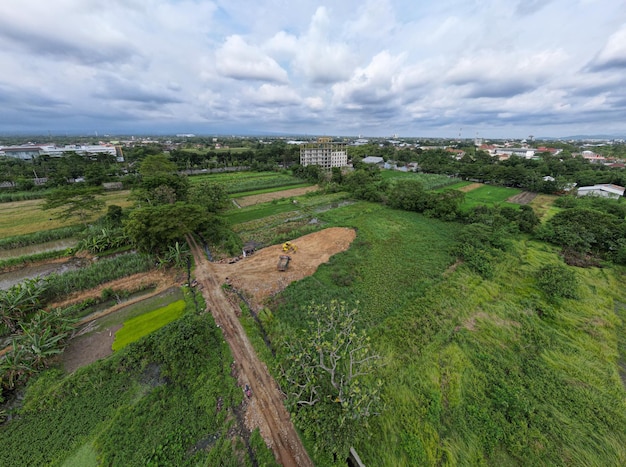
{"x":26,"y":217}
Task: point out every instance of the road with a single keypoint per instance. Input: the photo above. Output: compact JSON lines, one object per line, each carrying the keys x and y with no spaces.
{"x":266,"y":403}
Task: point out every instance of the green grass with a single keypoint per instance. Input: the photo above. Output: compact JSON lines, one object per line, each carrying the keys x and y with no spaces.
{"x":142,"y":307}
{"x":135,"y":328}
{"x":428,"y":181}
{"x":85,"y":456}
{"x":475,"y":372}
{"x":489,"y":195}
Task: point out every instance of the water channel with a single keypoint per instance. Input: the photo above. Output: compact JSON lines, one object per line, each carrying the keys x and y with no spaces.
{"x":9,"y":279}
{"x":52,"y":245}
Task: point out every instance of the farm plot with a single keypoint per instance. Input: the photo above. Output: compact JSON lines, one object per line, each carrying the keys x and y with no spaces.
{"x":26,"y":217}
{"x":240,"y":182}
{"x":428,"y":181}
{"x":259,"y":198}
{"x":135,"y":328}
{"x":490,"y":195}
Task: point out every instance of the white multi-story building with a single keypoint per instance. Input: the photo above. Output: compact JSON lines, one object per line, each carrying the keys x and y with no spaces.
{"x":31,"y":152}
{"x":324,"y":153}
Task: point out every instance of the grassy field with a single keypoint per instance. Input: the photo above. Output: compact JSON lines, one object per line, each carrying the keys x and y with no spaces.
{"x":25,"y":217}
{"x":476,"y":372}
{"x":490,"y":195}
{"x":457,"y":185}
{"x":429,"y":181}
{"x":305,"y":204}
{"x":543,"y":206}
{"x":242,"y":182}
{"x":135,"y":328}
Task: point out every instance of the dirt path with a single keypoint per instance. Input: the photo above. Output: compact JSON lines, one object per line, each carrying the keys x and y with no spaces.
{"x":265,"y":409}
{"x":524,"y":197}
{"x":470,"y":187}
{"x":265,"y":197}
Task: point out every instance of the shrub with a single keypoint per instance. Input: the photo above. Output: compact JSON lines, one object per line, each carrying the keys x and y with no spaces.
{"x":557,"y":281}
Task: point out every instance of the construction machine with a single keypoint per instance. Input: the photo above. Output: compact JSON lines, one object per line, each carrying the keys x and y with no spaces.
{"x":283,"y":262}
{"x":289,"y":247}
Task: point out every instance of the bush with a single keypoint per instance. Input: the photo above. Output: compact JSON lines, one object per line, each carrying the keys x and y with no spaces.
{"x":557,"y":281}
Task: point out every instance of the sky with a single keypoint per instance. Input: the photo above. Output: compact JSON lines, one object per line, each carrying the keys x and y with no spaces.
{"x":411,"y":68}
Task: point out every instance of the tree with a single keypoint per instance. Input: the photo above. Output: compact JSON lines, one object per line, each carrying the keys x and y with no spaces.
{"x":162,"y":188}
{"x":584,"y":231}
{"x":330,"y":373}
{"x":154,"y":228}
{"x":74,"y":202}
{"x":408,"y":195}
{"x":156,"y":164}
{"x":212,"y":196}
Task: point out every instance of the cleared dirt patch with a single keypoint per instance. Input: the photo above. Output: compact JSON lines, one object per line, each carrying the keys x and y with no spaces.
{"x":83,"y":350}
{"x":470,"y":187}
{"x":265,"y":197}
{"x":258,"y":275}
{"x":524,"y":197}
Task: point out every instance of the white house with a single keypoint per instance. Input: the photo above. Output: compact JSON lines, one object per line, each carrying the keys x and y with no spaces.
{"x":606,"y":191}
{"x":373,"y":160}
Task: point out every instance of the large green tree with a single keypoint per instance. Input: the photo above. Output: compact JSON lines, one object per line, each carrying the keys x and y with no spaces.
{"x":155,"y":228}
{"x":74,"y":202}
{"x":212,"y":196}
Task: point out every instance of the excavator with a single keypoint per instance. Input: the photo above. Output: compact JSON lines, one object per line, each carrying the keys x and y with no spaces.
{"x":289,"y":247}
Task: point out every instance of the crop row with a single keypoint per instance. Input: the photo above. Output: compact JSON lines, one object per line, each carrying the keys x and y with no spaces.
{"x":99,"y":272}
{"x":42,"y":236}
{"x":249,"y":181}
{"x":428,"y":181}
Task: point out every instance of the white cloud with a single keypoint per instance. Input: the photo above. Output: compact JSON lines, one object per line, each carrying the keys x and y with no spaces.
{"x":239,"y":60}
{"x":313,"y":66}
{"x":272,"y":95}
{"x":613,"y":54}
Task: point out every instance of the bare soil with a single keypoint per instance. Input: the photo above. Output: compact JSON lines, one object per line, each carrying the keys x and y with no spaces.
{"x":470,"y":187}
{"x":265,"y":197}
{"x":524,"y":197}
{"x":258,"y":277}
{"x":85,"y":349}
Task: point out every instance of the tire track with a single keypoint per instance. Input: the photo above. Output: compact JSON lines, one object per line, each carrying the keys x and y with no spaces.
{"x":270,"y":415}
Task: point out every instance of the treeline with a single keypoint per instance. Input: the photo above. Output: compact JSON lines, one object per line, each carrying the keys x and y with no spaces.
{"x":588,"y":229}
{"x":547,"y":174}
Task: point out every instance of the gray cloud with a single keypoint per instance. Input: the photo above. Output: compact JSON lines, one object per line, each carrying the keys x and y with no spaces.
{"x":40,"y":44}
{"x":314,"y":67}
{"x":529,"y":7}
{"x":115,"y":88}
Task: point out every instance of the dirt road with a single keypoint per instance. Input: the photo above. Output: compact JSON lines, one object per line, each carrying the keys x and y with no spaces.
{"x":266,"y":403}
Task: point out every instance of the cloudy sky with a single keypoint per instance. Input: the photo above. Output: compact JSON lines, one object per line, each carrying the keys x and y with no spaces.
{"x":493,"y":68}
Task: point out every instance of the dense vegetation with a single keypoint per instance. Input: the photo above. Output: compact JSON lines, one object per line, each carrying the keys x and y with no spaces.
{"x":488,"y":348}
{"x":159,"y":401}
{"x":498,"y":371}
